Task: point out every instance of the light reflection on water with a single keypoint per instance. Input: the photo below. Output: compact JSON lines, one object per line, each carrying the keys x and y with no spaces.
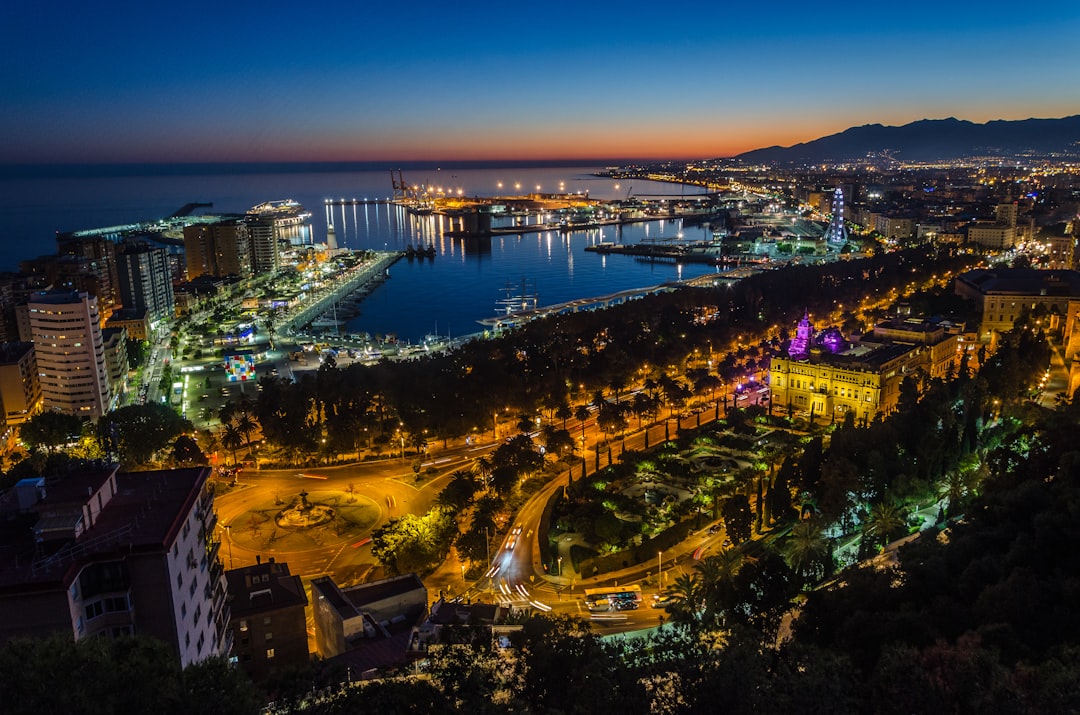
{"x":447,"y":294}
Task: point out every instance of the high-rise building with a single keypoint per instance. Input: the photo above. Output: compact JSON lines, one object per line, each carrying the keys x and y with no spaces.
{"x":145,"y":281}
{"x":66,"y":331}
{"x":219,"y":249}
{"x":114,"y":341}
{"x":265,"y":256}
{"x":74,"y":272}
{"x":96,"y":553}
{"x":20,"y":391}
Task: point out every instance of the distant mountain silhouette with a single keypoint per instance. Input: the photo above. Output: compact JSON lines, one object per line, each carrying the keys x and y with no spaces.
{"x":932,"y":139}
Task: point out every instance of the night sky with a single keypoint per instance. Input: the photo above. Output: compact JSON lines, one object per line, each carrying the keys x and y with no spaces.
{"x":269,"y":81}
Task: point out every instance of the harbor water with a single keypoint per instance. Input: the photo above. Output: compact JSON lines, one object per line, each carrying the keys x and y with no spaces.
{"x":467,"y":279}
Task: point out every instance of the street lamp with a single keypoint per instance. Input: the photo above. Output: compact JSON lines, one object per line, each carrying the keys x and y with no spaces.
{"x":660,"y":568}
{"x":560,"y":567}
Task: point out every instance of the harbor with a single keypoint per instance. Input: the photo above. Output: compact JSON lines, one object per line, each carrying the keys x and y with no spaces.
{"x":313,"y":312}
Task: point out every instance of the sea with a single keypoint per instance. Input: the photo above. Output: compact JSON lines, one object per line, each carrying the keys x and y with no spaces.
{"x":468,"y":280}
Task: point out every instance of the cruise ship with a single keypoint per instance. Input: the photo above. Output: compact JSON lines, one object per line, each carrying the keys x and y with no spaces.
{"x":286,"y":212}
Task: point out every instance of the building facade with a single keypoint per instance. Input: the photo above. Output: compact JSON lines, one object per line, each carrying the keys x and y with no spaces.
{"x":1002,"y":295}
{"x":269,"y":618}
{"x":826,"y":376}
{"x":97,"y":553}
{"x":145,"y":282}
{"x":66,"y":331}
{"x":218,"y":249}
{"x":20,"y":390}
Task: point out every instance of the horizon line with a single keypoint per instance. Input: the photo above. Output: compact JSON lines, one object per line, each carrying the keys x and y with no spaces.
{"x":75,"y":169}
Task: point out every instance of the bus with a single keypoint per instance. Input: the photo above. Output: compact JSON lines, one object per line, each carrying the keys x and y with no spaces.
{"x":616,"y":598}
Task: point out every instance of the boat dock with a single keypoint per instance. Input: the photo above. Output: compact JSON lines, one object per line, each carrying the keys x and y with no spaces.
{"x":356,"y":202}
{"x":364,"y":275}
{"x":605,"y":301}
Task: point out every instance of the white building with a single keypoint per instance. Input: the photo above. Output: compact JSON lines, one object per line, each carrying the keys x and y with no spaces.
{"x":98,"y":553}
{"x":66,"y":331}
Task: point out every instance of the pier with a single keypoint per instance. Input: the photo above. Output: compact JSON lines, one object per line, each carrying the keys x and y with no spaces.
{"x":359,"y":277}
{"x":356,"y":202}
{"x":667,"y":253}
{"x":605,"y":301}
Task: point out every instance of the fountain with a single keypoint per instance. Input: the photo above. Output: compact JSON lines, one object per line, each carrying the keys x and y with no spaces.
{"x":304,"y":514}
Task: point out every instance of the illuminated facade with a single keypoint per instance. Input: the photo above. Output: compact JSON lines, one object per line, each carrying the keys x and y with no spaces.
{"x":66,"y":331}
{"x":828,"y":376}
{"x":1003,"y":294}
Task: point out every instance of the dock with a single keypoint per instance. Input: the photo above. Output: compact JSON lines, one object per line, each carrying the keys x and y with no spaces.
{"x":605,"y":301}
{"x":366,"y":274}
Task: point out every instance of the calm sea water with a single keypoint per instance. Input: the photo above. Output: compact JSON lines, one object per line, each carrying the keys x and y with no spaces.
{"x":446,"y":295}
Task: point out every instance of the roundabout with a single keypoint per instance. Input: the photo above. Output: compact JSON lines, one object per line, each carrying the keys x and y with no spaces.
{"x":319,"y":519}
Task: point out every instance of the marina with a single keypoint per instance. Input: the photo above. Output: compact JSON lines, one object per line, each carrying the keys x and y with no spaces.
{"x":454,"y":289}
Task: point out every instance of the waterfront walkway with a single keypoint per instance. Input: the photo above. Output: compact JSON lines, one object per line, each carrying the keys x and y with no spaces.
{"x":365,"y":274}
{"x":605,"y":301}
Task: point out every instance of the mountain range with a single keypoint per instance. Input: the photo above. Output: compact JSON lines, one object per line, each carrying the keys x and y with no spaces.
{"x":931,"y":140}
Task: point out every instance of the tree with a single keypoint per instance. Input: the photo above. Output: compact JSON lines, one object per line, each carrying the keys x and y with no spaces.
{"x":885,"y":522}
{"x":807,"y":551}
{"x":131,"y":674}
{"x":459,"y":491}
{"x":513,"y":461}
{"x":136,"y":432}
{"x":50,"y":430}
{"x":246,"y":424}
{"x":414,"y":544}
{"x":738,"y":518}
{"x":186,"y":452}
{"x":231,"y":439}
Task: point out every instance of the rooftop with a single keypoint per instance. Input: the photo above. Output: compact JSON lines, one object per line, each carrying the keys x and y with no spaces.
{"x":145,"y":514}
{"x":1022,"y":281}
{"x":264,"y":587}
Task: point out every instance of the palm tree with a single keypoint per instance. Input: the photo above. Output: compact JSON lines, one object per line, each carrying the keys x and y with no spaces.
{"x":231,"y":439}
{"x":245,"y":425}
{"x":581,"y":414}
{"x":687,"y":599}
{"x":717,"y":572}
{"x":807,"y":550}
{"x":885,"y":522}
{"x":483,"y":466}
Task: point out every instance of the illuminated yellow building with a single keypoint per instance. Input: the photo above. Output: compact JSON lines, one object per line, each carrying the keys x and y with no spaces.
{"x":828,"y":376}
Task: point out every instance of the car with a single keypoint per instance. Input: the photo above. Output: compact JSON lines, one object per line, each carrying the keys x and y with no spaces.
{"x":626,"y":605}
{"x":511,"y":542}
{"x":714,"y":529}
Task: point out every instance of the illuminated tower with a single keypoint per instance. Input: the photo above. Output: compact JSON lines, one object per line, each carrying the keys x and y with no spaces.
{"x":836,"y":234}
{"x":800,"y":344}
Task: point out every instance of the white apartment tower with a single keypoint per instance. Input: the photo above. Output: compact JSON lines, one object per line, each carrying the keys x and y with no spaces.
{"x":66,"y":331}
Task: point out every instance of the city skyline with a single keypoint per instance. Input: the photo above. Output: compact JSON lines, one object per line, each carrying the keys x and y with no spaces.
{"x":112,"y":83}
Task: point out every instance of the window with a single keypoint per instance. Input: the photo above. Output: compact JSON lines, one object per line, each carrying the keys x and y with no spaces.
{"x":266,"y":621}
{"x":269,"y":653}
{"x":243,"y":626}
{"x":269,"y":636}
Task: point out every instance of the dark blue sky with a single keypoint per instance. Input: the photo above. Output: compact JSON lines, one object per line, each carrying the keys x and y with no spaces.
{"x":269,"y":81}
